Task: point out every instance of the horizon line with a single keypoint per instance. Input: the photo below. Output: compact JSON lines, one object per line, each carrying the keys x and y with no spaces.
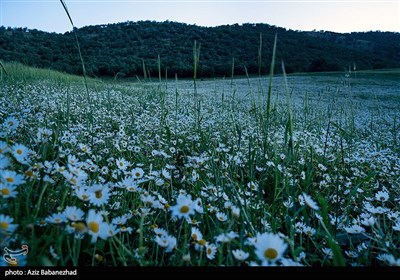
{"x":194,"y":24}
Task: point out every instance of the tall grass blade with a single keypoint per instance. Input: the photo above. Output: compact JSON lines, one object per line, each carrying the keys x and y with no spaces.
{"x":271,"y":74}
{"x":144,"y":70}
{"x":3,"y":69}
{"x":196,"y":60}
{"x":81,"y":58}
{"x":338,"y":259}
{"x":232,"y":70}
{"x":260,"y":55}
{"x":289,"y":126}
{"x":66,"y":10}
{"x":159,"y":68}
{"x":76,"y":38}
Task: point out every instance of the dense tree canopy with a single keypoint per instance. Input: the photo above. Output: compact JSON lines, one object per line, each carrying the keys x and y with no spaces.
{"x":130,"y":48}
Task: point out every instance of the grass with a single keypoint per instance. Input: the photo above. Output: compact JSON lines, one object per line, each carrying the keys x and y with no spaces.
{"x":163,"y":179}
{"x":16,"y":72}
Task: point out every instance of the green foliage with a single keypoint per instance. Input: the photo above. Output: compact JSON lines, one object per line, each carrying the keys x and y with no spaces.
{"x":15,"y":72}
{"x":123,"y":48}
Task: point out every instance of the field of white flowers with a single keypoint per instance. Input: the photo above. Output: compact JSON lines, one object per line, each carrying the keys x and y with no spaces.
{"x":172,"y":174}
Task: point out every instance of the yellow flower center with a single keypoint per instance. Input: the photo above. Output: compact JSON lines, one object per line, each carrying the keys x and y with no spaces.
{"x":84,"y":197}
{"x":4,"y":225}
{"x":73,"y":181}
{"x":184,"y":209}
{"x":10,"y":179}
{"x":202,"y":242}
{"x":93,"y":226}
{"x":194,"y":236}
{"x":137,"y":174}
{"x":10,"y":123}
{"x":57,"y":220}
{"x":270,"y":253}
{"x":5,"y":192}
{"x":79,"y":226}
{"x":98,"y":194}
{"x":209,"y":251}
{"x":19,"y":151}
{"x":29,"y":173}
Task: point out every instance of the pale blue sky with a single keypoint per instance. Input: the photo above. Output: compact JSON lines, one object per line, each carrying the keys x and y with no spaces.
{"x":338,"y":16}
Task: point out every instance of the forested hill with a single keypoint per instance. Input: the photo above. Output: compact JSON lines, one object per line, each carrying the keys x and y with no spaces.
{"x":124,"y":48}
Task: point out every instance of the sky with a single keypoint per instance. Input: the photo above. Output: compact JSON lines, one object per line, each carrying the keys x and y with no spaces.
{"x":338,"y":16}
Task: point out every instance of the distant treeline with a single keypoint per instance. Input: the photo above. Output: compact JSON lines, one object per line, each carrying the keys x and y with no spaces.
{"x":132,"y":48}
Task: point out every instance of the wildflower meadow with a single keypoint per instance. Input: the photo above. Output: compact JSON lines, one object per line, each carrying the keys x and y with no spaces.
{"x":300,"y":170}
